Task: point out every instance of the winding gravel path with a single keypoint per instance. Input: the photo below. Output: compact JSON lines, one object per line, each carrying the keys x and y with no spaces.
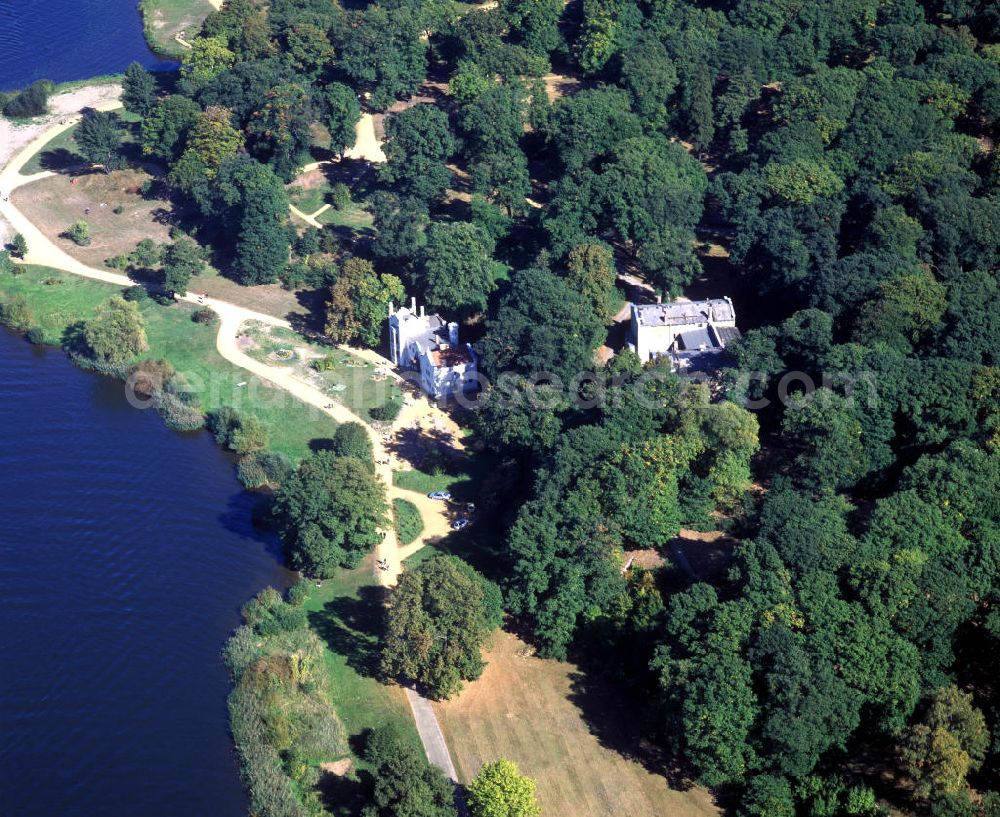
{"x":43,"y":252}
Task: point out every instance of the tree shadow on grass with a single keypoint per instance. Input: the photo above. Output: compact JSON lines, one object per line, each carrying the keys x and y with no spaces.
{"x":623,"y":723}
{"x":60,"y":160}
{"x":345,"y":795}
{"x":352,"y":627}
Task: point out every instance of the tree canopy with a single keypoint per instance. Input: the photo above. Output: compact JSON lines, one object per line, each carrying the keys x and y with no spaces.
{"x":328,"y":513}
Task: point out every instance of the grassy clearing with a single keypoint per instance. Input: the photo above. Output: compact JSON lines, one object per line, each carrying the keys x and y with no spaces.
{"x":162,"y":20}
{"x":53,"y":204}
{"x":352,"y":217}
{"x":350,"y":380}
{"x":308,"y":200}
{"x":561,"y":728}
{"x":59,"y":300}
{"x":271,"y":299}
{"x":462,"y":478}
{"x":409,"y":524}
{"x":346,"y":612}
{"x":310,"y":191}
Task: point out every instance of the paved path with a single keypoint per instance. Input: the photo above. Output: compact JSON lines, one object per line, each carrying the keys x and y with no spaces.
{"x":310,"y":220}
{"x":430,"y":734}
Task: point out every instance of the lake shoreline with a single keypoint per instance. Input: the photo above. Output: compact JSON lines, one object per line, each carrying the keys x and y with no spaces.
{"x":149,"y":554}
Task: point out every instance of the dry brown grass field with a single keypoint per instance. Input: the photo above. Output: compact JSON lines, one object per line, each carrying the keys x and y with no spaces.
{"x":560,"y":728}
{"x":55,"y":203}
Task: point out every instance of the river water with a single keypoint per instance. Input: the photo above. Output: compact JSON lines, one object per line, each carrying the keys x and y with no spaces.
{"x":64,"y":40}
{"x":126,"y":551}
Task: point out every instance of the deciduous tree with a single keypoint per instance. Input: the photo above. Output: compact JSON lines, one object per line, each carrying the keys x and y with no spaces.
{"x":328,"y":513}
{"x":500,"y":790}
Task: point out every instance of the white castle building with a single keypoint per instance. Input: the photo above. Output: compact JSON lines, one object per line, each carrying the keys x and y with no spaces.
{"x":426,"y":344}
{"x":690,"y":333}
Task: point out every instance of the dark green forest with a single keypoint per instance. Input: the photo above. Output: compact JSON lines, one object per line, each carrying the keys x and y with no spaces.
{"x":844,"y":154}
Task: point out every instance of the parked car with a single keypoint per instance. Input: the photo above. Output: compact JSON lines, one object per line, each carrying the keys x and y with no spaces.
{"x":460,"y":523}
{"x":445,"y":495}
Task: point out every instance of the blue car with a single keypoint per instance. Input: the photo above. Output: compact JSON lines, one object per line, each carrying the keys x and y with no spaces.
{"x":445,"y":495}
{"x":459,"y":524}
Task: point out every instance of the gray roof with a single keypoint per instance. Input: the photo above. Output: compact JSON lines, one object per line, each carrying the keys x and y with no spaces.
{"x":726,"y":333}
{"x":681,"y":313}
{"x":695,"y":339}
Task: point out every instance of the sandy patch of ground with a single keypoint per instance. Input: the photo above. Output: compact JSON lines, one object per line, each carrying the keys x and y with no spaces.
{"x":366,"y":143}
{"x":560,"y":85}
{"x":707,"y":553}
{"x":339,"y":767}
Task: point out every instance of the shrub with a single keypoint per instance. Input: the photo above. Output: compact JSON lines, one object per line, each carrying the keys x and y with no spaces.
{"x":221,"y":422}
{"x":181,"y":389}
{"x":325,"y":364}
{"x":298,"y":593}
{"x":261,"y":469}
{"x":205,"y":315}
{"x":32,"y":101}
{"x":249,"y":435}
{"x":118,"y":262}
{"x":6,"y":265}
{"x":409,"y":524}
{"x":79,"y":233}
{"x":149,"y":378}
{"x":116,"y":333}
{"x":316,"y":273}
{"x":36,"y":335}
{"x":241,"y":650}
{"x":179,"y":414}
{"x":19,"y":246}
{"x":136,"y":294}
{"x":340,"y":196}
{"x":279,"y":710}
{"x":16,"y":314}
{"x":118,"y":210}
{"x":146,"y":254}
{"x":239,"y":432}
{"x":387,"y":412}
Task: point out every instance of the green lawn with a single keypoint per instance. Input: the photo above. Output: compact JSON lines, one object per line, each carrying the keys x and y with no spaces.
{"x":62,"y":144}
{"x":346,"y":612}
{"x":162,"y":19}
{"x":354,"y":217}
{"x":190,"y":347}
{"x":409,"y":524}
{"x":308,"y":201}
{"x":59,"y":300}
{"x":469,"y":479}
{"x":351,"y":381}
{"x":462,"y":477}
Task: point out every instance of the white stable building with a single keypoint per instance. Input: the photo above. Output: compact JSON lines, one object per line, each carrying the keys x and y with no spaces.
{"x":426,"y":344}
{"x":690,"y":333}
